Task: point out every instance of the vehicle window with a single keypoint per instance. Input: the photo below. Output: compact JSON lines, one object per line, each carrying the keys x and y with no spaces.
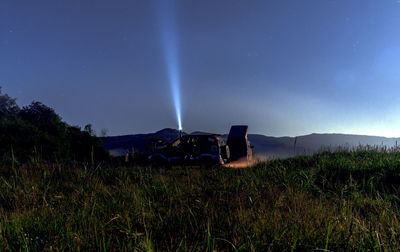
{"x":176,"y":143}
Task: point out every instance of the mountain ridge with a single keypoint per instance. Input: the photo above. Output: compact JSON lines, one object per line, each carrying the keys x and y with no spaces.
{"x":268,"y":146}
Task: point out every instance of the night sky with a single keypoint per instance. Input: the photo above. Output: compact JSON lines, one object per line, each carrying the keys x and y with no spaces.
{"x":282,"y":67}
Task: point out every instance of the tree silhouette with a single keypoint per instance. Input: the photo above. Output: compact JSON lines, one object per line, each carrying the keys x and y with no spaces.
{"x":37,"y":130}
{"x":8,"y":105}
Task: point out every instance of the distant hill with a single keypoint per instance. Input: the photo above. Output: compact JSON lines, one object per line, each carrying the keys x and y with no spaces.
{"x":118,"y":145}
{"x":263,"y":145}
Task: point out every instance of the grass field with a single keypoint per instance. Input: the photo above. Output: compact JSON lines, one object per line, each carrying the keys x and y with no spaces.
{"x":346,"y":200}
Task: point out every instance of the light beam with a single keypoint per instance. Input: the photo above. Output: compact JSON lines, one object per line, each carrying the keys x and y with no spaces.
{"x":167,"y":22}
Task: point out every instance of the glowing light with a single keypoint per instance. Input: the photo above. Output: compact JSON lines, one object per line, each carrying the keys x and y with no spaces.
{"x":169,"y":40}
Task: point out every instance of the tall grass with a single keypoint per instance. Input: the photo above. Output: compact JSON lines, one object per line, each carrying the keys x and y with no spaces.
{"x":345,"y":200}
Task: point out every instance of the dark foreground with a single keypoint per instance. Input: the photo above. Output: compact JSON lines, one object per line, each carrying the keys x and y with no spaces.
{"x":339,"y":201}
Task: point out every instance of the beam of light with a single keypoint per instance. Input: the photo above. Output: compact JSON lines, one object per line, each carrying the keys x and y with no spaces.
{"x":167,"y":22}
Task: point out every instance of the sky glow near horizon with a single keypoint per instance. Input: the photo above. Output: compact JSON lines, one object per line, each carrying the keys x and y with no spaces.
{"x":285,"y":68}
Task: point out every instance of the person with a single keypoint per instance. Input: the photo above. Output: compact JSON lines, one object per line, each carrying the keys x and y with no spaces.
{"x":132,"y":154}
{"x":127,"y":156}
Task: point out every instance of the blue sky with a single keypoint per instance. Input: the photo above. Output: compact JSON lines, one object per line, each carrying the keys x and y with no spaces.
{"x":282,"y":67}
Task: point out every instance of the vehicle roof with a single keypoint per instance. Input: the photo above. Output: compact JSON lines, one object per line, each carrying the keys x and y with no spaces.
{"x":198,"y":135}
{"x":205,"y":135}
